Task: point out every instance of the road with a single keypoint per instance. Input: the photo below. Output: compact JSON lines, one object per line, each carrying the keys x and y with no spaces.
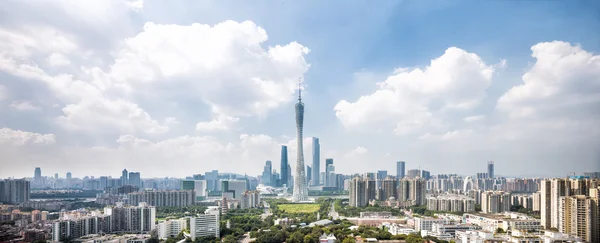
{"x":267,"y":212}
{"x":247,"y":238}
{"x":332,"y":213}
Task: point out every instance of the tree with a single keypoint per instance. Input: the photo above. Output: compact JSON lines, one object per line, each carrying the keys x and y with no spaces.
{"x":500,"y":231}
{"x":349,"y":240}
{"x":296,"y":237}
{"x":310,"y":238}
{"x":229,"y":239}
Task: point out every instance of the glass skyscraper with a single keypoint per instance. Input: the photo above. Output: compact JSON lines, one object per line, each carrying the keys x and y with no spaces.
{"x":316,"y":164}
{"x":400,"y":169}
{"x":284,"y":166}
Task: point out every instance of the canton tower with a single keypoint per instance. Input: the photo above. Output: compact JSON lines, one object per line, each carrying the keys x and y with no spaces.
{"x":300,"y":191}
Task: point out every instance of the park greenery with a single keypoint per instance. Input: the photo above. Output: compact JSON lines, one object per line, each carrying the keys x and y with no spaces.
{"x":299,"y":207}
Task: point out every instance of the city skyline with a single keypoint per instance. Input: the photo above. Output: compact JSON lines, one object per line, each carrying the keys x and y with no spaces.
{"x":193,"y":87}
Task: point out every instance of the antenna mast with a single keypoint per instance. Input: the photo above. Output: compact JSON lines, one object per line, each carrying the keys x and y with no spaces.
{"x":299,"y":90}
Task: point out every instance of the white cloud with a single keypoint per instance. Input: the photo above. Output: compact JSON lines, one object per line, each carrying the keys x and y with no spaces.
{"x":224,"y":64}
{"x":475,"y":118}
{"x":408,"y":101}
{"x":19,"y":138}
{"x":564,"y":82}
{"x":57,"y":60}
{"x":221,"y":123}
{"x":358,"y":151}
{"x":24,"y":106}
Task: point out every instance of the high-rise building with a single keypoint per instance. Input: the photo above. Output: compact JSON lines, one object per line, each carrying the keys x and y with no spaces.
{"x":76,"y":228}
{"x":388,"y":187}
{"x":212,"y":180}
{"x":413,"y":173}
{"x":490,"y":169}
{"x":284,"y":166}
{"x":124,"y":178}
{"x":233,"y":189}
{"x":417,"y":189}
{"x":15,"y":191}
{"x":400,"y":169}
{"x":425,"y":174}
{"x":316,"y":163}
{"x":362,"y":190}
{"x":309,"y":174}
{"x":267,"y":174}
{"x":198,"y":186}
{"x":578,"y":215}
{"x":135,"y":179}
{"x":68,"y":179}
{"x":331,"y":177}
{"x":37,"y":177}
{"x":300,"y":192}
{"x":55,"y":176}
{"x":137,"y":219}
{"x":163,"y":198}
{"x":205,"y":225}
{"x":495,"y":202}
{"x":328,"y":167}
{"x":381,"y":174}
{"x":250,"y":199}
{"x":546,"y":203}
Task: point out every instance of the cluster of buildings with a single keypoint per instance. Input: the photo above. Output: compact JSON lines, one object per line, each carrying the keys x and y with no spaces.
{"x":572,"y":206}
{"x":392,"y":192}
{"x":451,"y":203}
{"x":15,"y":191}
{"x":117,"y":219}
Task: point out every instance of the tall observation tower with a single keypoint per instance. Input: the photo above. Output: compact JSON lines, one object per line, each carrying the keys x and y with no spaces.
{"x":300,"y":191}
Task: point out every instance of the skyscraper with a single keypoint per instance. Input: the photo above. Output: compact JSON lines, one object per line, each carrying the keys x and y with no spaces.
{"x":135,"y":179}
{"x":37,"y":179}
{"x":328,"y":162}
{"x":68,"y":179}
{"x":381,"y":174}
{"x":284,"y":166}
{"x":124,"y":179}
{"x":400,"y":169}
{"x":300,"y":192}
{"x":267,"y":174}
{"x":490,"y":169}
{"x":316,"y":164}
{"x":309,"y":174}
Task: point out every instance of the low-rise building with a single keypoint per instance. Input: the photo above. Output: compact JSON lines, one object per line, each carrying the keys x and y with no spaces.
{"x":171,"y":228}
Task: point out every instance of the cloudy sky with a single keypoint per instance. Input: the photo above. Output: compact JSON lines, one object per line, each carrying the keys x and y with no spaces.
{"x":174,"y":88}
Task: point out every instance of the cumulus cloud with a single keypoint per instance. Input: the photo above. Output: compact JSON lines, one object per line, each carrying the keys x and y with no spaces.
{"x":225,"y":64}
{"x":20,"y":138}
{"x":408,"y":100}
{"x":222,"y":123}
{"x":24,"y":106}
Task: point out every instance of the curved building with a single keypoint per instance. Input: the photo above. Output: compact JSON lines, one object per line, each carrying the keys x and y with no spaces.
{"x":300,"y":191}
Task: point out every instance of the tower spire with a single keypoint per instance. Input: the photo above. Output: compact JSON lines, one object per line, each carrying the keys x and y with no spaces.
{"x":299,"y":90}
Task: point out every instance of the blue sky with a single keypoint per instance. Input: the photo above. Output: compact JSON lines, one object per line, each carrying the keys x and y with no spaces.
{"x":182,"y":87}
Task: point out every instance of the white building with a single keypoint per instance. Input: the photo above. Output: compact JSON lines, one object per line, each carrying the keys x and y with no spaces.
{"x":171,"y":228}
{"x":396,"y":229}
{"x":425,"y":223}
{"x":204,"y":225}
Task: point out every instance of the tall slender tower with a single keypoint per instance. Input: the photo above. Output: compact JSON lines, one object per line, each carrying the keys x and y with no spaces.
{"x":300,"y":191}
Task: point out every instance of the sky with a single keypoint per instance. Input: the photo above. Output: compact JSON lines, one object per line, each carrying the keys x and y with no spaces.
{"x":175,"y":88}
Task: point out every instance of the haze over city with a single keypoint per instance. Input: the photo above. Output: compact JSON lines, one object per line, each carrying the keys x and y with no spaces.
{"x":171,"y":89}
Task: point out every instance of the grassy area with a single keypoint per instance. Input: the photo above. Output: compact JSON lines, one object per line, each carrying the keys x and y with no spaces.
{"x":299,"y":207}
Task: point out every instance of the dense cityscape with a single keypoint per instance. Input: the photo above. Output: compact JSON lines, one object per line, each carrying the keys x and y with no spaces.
{"x":443,"y":207}
{"x":82,"y":159}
